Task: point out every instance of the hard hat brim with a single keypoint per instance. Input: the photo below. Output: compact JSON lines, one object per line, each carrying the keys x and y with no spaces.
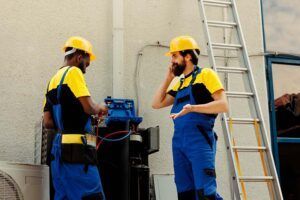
{"x":168,"y":54}
{"x":92,"y":57}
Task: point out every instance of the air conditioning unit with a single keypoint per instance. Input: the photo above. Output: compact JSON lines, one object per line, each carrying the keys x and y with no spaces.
{"x":23,"y":181}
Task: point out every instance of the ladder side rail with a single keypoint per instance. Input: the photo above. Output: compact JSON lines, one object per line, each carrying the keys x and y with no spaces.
{"x":212,"y":62}
{"x":248,"y":66}
{"x":256,"y":101}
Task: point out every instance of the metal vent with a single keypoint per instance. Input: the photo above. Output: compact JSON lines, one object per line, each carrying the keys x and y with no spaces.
{"x":9,"y":189}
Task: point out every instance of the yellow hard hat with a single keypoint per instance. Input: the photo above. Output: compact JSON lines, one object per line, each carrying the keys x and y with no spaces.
{"x":80,"y":43}
{"x":182,"y":43}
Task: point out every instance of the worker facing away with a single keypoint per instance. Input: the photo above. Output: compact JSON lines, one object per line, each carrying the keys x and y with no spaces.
{"x":197,"y":99}
{"x":68,"y":109}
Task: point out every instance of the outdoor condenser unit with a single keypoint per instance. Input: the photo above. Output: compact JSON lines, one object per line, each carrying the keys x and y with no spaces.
{"x":23,"y":181}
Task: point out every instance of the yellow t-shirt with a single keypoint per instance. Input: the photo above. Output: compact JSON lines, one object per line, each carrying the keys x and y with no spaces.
{"x":206,"y":83}
{"x":74,"y":86}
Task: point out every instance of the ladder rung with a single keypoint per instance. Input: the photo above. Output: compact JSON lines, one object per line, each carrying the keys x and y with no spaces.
{"x":240,"y":94}
{"x":231,"y":69}
{"x":216,"y":3}
{"x":242,"y":120}
{"x":255,"y":178}
{"x":221,"y":24}
{"x":226,"y":46}
{"x":248,"y":149}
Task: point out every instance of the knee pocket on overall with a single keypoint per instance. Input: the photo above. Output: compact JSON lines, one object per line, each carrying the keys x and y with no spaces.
{"x":201,"y":196}
{"x":210,"y":172}
{"x":95,"y":196}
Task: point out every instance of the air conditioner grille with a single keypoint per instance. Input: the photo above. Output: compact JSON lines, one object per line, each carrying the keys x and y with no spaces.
{"x":9,"y":189}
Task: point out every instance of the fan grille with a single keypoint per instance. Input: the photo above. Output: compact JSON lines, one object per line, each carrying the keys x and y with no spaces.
{"x":9,"y":189}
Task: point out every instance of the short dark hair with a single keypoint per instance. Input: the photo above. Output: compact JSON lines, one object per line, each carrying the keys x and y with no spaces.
{"x":77,"y":52}
{"x":191,"y":52}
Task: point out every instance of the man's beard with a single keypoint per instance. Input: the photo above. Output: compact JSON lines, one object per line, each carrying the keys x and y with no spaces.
{"x":178,"y":68}
{"x":81,"y":67}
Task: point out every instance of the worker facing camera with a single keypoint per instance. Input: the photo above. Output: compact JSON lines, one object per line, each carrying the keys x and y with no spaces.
{"x":196,"y":100}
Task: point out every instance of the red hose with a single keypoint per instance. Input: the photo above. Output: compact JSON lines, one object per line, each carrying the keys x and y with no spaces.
{"x":109,"y":135}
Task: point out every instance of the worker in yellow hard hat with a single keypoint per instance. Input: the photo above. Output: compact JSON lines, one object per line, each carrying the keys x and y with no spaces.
{"x":78,"y":45}
{"x":68,"y":109}
{"x":197,"y":98}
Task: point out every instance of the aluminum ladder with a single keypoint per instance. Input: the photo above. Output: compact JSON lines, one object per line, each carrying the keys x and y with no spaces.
{"x":262,"y":147}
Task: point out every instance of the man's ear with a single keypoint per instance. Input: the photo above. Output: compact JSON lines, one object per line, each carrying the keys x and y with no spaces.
{"x":79,"y":58}
{"x":188,"y":57}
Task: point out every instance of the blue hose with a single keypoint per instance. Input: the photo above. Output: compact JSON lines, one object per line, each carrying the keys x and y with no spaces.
{"x":115,"y":140}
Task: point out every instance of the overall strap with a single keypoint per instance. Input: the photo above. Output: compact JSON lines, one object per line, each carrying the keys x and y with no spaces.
{"x":181,"y":82}
{"x":195,"y":73}
{"x":60,"y":83}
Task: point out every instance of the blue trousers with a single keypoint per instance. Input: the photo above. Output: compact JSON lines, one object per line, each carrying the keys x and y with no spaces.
{"x":194,"y":150}
{"x":71,"y":181}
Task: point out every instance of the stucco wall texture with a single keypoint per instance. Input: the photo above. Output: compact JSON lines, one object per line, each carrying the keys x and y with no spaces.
{"x":32,"y":34}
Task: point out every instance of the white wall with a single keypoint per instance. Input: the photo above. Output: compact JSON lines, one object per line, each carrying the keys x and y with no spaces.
{"x":33,"y":32}
{"x":32,"y":36}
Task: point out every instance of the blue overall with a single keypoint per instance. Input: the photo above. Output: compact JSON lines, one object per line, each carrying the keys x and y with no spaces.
{"x":194,"y":149}
{"x":71,"y":181}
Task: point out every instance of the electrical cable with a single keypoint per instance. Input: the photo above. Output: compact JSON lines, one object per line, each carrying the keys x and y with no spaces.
{"x":137,"y":70}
